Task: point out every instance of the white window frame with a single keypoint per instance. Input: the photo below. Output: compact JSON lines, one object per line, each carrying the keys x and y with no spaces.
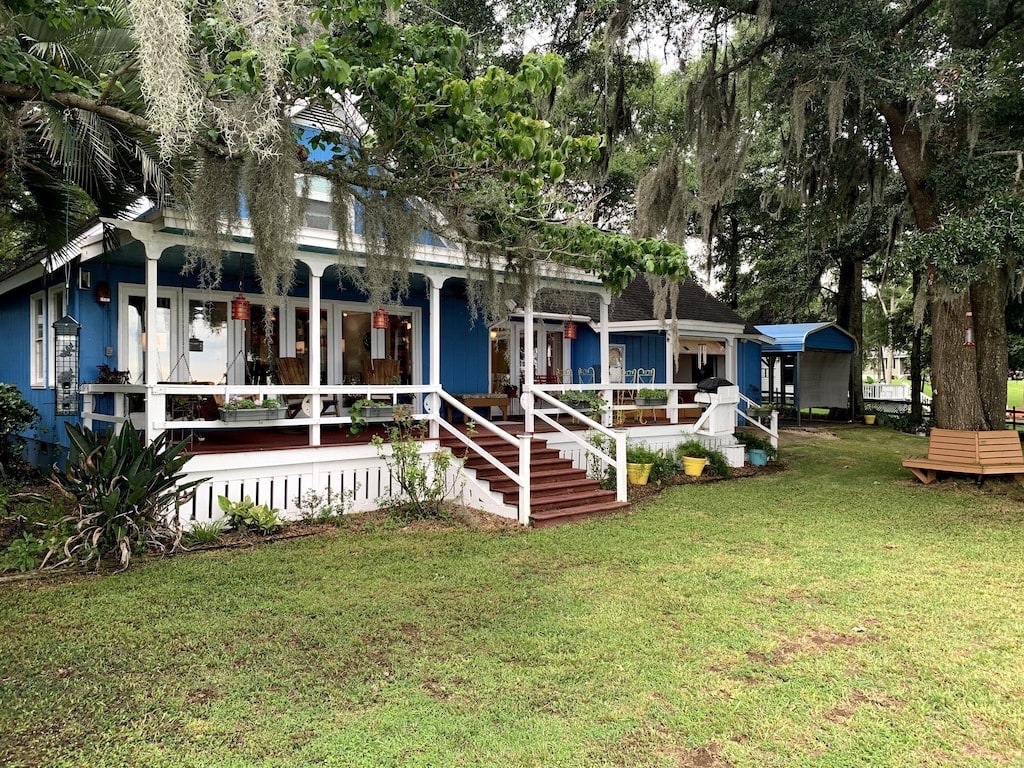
{"x":52,"y":316}
{"x":37,"y":338}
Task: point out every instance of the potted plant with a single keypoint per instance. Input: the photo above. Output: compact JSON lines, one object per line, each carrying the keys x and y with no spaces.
{"x":239,"y":409}
{"x":589,"y":403}
{"x":759,"y":449}
{"x":365,"y":411}
{"x":639,"y":464}
{"x":647,"y":398}
{"x":696,"y":456}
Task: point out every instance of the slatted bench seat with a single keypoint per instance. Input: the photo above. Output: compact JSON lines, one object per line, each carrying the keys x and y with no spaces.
{"x":970,"y":453}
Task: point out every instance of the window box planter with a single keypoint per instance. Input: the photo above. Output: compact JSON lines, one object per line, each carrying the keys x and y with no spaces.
{"x":252,"y":415}
{"x":378,"y":413}
{"x":651,"y":402}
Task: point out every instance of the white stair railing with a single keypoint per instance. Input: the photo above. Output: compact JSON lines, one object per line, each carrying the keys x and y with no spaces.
{"x":772,"y":430}
{"x":617,"y":437}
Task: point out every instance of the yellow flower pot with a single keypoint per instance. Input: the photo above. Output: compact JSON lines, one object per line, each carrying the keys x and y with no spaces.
{"x":869,"y":419}
{"x":693,"y":466}
{"x":638,"y":473}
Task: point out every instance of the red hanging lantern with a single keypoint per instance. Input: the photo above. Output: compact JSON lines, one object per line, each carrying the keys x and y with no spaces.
{"x":380,"y":318}
{"x":240,"y":307}
{"x":969,"y":332}
{"x":570,"y":330}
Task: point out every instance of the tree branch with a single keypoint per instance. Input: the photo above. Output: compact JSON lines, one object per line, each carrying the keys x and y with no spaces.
{"x":749,"y":58}
{"x":911,"y":15}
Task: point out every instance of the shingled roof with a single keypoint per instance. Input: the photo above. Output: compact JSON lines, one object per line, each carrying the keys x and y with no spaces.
{"x":636,"y":304}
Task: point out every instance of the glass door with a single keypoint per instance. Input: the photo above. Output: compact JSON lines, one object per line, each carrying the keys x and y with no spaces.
{"x":138,"y":341}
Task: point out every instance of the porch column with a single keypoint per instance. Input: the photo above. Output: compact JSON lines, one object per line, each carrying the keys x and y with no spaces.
{"x":606,"y":300}
{"x":732,"y":364}
{"x":315,"y":274}
{"x":670,"y":369}
{"x":155,"y":404}
{"x":435,"y":281}
{"x":528,"y":366}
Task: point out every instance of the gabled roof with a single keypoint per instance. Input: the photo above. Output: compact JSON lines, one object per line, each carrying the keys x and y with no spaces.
{"x":800,"y":337}
{"x":636,"y":304}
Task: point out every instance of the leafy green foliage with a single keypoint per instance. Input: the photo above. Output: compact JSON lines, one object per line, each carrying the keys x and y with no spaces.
{"x":717,"y":466}
{"x":324,"y":506}
{"x":126,"y":494}
{"x":663,"y":465}
{"x":205,"y":533}
{"x":424,"y":481}
{"x":27,"y":551}
{"x":16,"y":415}
{"x":589,"y":403}
{"x":246,"y":515}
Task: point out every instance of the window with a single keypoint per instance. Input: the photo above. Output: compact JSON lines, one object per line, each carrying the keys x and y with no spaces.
{"x":318,"y":215}
{"x":55,"y":313}
{"x":38,"y":340}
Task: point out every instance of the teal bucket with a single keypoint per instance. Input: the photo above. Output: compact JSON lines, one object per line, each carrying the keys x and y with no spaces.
{"x":758,"y":456}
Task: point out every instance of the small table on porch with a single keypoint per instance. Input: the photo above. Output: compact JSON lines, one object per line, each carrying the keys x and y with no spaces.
{"x":486,"y":400}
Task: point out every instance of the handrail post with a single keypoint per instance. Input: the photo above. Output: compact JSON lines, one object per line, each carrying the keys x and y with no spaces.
{"x":621,"y":493}
{"x":673,"y":406}
{"x":607,"y":417}
{"x":527,"y":401}
{"x":525,"y":441}
{"x":434,"y":400}
{"x":775,"y":429}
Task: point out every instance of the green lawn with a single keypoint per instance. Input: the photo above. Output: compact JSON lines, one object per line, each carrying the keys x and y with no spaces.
{"x":832,"y":615}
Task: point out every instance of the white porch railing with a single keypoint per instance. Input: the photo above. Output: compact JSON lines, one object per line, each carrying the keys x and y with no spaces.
{"x":896,"y":392}
{"x":772,"y":430}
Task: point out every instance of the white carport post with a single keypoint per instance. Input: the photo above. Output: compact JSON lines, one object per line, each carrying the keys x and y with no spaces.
{"x":316,"y":272}
{"x":606,"y":300}
{"x":528,"y":362}
{"x":435,"y":281}
{"x":732,"y":368}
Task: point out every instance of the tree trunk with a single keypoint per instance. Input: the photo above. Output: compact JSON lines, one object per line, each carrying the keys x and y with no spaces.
{"x":916,"y":374}
{"x":956,"y":401}
{"x":850,"y":317}
{"x":988,"y":306}
{"x":956,"y":376}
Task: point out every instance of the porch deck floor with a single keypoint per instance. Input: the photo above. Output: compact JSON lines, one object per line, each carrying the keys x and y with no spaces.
{"x":284,"y":438}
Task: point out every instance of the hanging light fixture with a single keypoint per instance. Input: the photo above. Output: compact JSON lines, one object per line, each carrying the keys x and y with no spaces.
{"x":969,"y":331}
{"x":240,"y":304}
{"x":380,"y":318}
{"x":570,"y":330}
{"x":240,"y":307}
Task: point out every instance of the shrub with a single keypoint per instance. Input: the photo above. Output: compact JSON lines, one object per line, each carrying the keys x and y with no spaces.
{"x":125,"y":495}
{"x":245,"y":515}
{"x":16,"y":415}
{"x":324,"y":506}
{"x":27,"y":551}
{"x":423,"y":480}
{"x":717,"y":464}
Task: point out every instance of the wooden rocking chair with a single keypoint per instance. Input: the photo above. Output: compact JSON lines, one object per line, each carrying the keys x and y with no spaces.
{"x":293,"y":371}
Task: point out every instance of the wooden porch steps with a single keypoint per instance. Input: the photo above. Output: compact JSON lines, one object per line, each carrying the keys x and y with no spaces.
{"x":558,"y":492}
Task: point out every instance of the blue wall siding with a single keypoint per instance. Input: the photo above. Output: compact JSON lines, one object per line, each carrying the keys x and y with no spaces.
{"x":643,"y":350}
{"x":749,"y":354}
{"x":464,"y":349}
{"x":586,"y":349}
{"x":830,"y":338}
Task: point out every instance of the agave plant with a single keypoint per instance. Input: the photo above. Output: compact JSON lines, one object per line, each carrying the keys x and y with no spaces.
{"x":126,"y":493}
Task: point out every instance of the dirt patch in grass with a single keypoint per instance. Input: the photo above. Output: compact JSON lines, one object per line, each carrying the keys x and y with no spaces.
{"x":701,"y":757}
{"x":813,"y":641}
{"x":200,"y":696}
{"x":845,"y":709}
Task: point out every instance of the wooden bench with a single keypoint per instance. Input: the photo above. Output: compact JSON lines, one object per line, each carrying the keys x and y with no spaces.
{"x":970,"y":453}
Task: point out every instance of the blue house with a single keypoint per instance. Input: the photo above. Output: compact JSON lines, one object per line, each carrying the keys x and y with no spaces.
{"x":155,"y":351}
